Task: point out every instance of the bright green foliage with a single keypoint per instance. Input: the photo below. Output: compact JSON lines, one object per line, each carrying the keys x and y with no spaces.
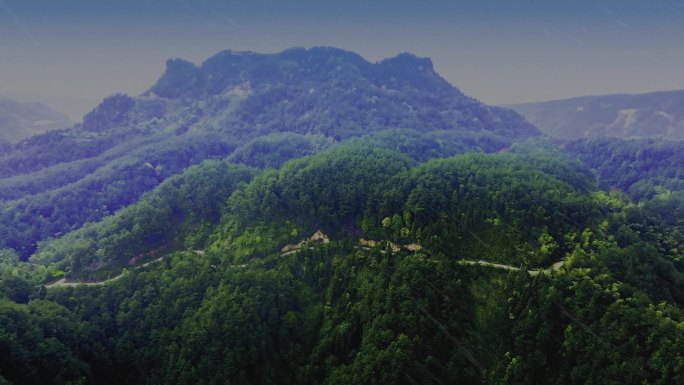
{"x":234,"y":308}
{"x":44,"y":343}
{"x":496,"y":207}
{"x":584,"y":327}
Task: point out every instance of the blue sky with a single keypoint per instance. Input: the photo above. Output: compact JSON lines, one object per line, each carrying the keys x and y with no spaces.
{"x":71,"y":54}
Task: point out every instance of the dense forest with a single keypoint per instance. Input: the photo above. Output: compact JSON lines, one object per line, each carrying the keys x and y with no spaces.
{"x":226,"y":303}
{"x":427,"y":240}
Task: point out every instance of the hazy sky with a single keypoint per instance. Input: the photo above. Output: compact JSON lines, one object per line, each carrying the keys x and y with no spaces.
{"x":71,"y":54}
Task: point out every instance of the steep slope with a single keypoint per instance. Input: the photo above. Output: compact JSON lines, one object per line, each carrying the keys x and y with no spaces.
{"x":650,"y":115}
{"x":234,"y":102}
{"x":21,"y":120}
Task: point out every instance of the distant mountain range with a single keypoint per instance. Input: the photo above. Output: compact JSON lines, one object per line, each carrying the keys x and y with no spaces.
{"x":20,"y":120}
{"x":649,"y":115}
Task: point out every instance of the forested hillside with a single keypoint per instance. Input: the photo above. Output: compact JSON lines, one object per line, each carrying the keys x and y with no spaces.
{"x":259,"y":109}
{"x":234,"y":306}
{"x":312,"y":218}
{"x":640,"y":168}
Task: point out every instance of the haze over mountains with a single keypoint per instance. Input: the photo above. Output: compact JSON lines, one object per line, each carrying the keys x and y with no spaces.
{"x":649,"y":115}
{"x":21,"y":120}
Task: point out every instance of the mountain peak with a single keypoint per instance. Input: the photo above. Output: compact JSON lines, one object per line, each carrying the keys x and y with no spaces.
{"x":312,"y":86}
{"x":229,"y":68}
{"x":408,"y":61}
{"x":179,"y":75}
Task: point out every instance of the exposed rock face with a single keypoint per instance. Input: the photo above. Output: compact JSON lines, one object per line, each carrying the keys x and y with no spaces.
{"x":651,"y":115}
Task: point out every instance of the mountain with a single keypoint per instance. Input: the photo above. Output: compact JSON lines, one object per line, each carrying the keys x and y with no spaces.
{"x":21,"y":120}
{"x":259,"y":109}
{"x":309,"y":217}
{"x":650,"y":115}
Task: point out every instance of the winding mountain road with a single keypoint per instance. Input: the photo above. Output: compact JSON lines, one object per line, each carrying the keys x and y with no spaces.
{"x":63,"y":282}
{"x":292,"y":249}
